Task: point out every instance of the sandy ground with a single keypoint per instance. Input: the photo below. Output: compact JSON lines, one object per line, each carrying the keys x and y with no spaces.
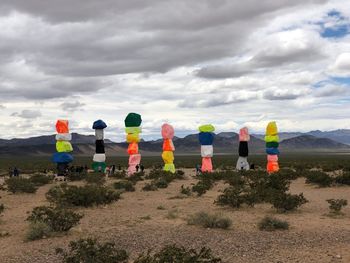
{"x":135,"y":223}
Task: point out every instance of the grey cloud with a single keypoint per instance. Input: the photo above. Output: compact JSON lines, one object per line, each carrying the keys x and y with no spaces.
{"x":329,"y":91}
{"x":28,"y":114}
{"x":283,"y":94}
{"x":71,"y":105}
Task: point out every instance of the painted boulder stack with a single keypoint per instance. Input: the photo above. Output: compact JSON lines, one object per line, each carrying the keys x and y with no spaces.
{"x":63,"y":147}
{"x":133,"y":129}
{"x":206,"y":139}
{"x":243,"y":151}
{"x":99,"y":158}
{"x":272,"y":143}
{"x":168,"y":148}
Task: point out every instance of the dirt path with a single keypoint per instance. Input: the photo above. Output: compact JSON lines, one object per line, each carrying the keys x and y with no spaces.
{"x":136,"y":224}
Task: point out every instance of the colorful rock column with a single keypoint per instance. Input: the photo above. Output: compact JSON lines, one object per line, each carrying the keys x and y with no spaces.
{"x":99,"y":159}
{"x":272,"y":143}
{"x":133,"y":129}
{"x":243,"y":151}
{"x":63,"y":147}
{"x":206,"y":139}
{"x":168,"y":148}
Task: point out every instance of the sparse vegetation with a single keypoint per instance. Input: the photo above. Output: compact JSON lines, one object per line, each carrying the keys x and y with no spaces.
{"x":172,"y":214}
{"x":174,"y":254}
{"x":150,"y":187}
{"x":2,"y":208}
{"x":40,"y":179}
{"x":20,"y":185}
{"x":343,"y":179}
{"x":58,"y":219}
{"x":86,"y":196}
{"x":288,"y":202}
{"x":271,"y":224}
{"x":90,"y":251}
{"x":209,"y":220}
{"x":95,"y":178}
{"x":38,"y":230}
{"x":185,"y":190}
{"x":125,"y":185}
{"x":336,"y":205}
{"x":320,"y":178}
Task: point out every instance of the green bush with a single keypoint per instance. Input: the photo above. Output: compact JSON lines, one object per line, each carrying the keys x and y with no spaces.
{"x":124,"y":185}
{"x":343,"y":179}
{"x":85,"y":196}
{"x":271,"y":224}
{"x":185,"y":190}
{"x":37,"y":231}
{"x":136,"y":177}
{"x":119,"y":174}
{"x":90,"y":251}
{"x":202,"y":186}
{"x":76,"y":176}
{"x":20,"y":185}
{"x":57,"y":218}
{"x":236,"y":197}
{"x":2,"y":208}
{"x":40,"y":179}
{"x":174,"y":254}
{"x":336,"y":205}
{"x":150,"y":187}
{"x":161,"y":183}
{"x":320,"y":178}
{"x":209,"y":220}
{"x":287,"y":202}
{"x":95,"y":178}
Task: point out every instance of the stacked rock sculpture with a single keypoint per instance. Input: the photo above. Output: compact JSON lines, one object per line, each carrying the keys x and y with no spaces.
{"x":63,"y":147}
{"x":168,"y":147}
{"x":272,"y":143}
{"x":133,"y":129}
{"x":206,"y":139}
{"x":99,"y":159}
{"x":243,"y":151}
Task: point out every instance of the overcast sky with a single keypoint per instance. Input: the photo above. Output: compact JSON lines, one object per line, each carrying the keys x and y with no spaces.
{"x":231,"y":63}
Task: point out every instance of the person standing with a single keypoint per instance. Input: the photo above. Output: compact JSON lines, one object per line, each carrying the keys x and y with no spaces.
{"x":137,"y":168}
{"x":142,"y":168}
{"x":15,"y":172}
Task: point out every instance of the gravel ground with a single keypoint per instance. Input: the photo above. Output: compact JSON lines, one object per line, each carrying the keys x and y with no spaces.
{"x":313,"y":236}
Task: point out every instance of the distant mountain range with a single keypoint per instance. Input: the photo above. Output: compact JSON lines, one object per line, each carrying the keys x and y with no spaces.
{"x":342,"y":136}
{"x":225,"y":143}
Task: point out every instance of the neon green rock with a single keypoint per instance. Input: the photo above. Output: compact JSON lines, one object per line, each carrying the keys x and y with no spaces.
{"x":206,"y":128}
{"x":169,"y":167}
{"x":64,"y":147}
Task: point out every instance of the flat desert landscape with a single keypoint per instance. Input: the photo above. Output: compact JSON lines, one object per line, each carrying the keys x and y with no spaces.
{"x":143,"y":220}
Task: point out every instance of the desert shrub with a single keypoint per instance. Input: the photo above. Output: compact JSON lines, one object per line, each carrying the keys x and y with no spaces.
{"x":119,"y":174}
{"x":150,"y":187}
{"x":136,"y":177}
{"x":336,"y":205}
{"x":95,"y":178}
{"x":20,"y":185}
{"x":185,"y":190}
{"x":172,"y":214}
{"x":320,"y":178}
{"x":124,"y":185}
{"x":76,"y":176}
{"x":180,"y":173}
{"x":57,"y":218}
{"x":90,"y":251}
{"x":2,"y":208}
{"x":288,"y":202}
{"x":161,"y":183}
{"x":202,"y":186}
{"x":37,"y":231}
{"x":343,"y":179}
{"x":85,"y":196}
{"x":40,"y":179}
{"x":174,"y":254}
{"x":236,"y":197}
{"x":209,"y":220}
{"x":271,"y":224}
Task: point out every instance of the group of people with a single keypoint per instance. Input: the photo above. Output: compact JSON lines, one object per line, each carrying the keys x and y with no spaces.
{"x":13,"y":172}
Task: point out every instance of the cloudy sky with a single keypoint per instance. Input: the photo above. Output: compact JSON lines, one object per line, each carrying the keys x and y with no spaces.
{"x":226,"y":62}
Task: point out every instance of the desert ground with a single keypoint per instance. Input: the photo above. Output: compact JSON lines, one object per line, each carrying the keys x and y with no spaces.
{"x":136,"y":224}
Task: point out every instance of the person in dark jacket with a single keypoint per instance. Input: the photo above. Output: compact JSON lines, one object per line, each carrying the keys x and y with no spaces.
{"x":142,"y":168}
{"x":15,"y":172}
